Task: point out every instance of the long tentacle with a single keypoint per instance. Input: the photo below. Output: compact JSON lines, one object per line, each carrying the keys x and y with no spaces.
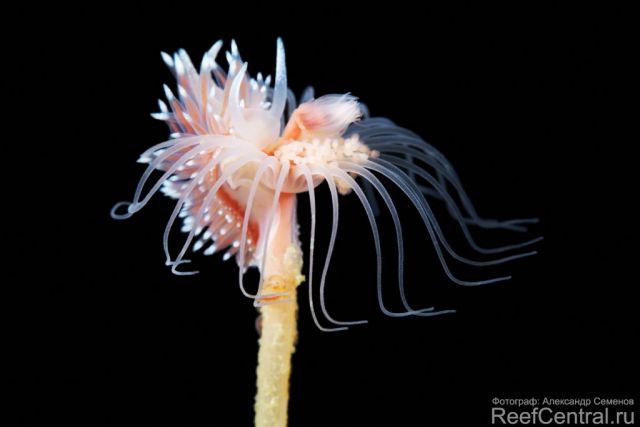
{"x":337,"y":172}
{"x":447,"y":171}
{"x":215,"y":160}
{"x":135,"y":205}
{"x":384,"y":134}
{"x":284,"y":171}
{"x":327,"y":174}
{"x":404,"y":183}
{"x":386,"y":168}
{"x":201,"y":149}
{"x":312,"y":239}
{"x":225,"y":174}
{"x":176,"y":210}
{"x":369,"y":177}
{"x":266,"y":163}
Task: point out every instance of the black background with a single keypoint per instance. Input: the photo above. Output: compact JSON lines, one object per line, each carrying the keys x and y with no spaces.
{"x":106,"y":335}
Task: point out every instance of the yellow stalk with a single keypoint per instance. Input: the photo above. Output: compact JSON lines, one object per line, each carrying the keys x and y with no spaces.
{"x":279,"y":331}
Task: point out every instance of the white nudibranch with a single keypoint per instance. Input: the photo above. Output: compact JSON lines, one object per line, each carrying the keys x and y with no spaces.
{"x":235,"y":162}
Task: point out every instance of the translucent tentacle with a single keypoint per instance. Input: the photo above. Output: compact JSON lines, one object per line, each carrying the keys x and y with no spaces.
{"x":266,"y":163}
{"x":228,"y":171}
{"x":284,"y":171}
{"x":187,"y":191}
{"x":176,"y":210}
{"x":327,"y":174}
{"x":446,"y":171}
{"x":135,"y":205}
{"x":312,"y":238}
{"x":369,"y":177}
{"x":376,"y":239}
{"x":456,"y":214}
{"x":307,"y":94}
{"x":202,"y":148}
{"x":404,"y":183}
{"x":383,"y":134}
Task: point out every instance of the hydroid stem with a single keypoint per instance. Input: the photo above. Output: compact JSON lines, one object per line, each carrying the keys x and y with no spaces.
{"x":282,"y":274}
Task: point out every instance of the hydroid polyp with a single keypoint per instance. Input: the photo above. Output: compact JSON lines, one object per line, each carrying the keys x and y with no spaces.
{"x":240,"y":152}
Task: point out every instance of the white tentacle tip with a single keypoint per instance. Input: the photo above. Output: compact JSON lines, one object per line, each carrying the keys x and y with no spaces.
{"x":168,"y":93}
{"x":160,"y":116}
{"x":167,"y":59}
